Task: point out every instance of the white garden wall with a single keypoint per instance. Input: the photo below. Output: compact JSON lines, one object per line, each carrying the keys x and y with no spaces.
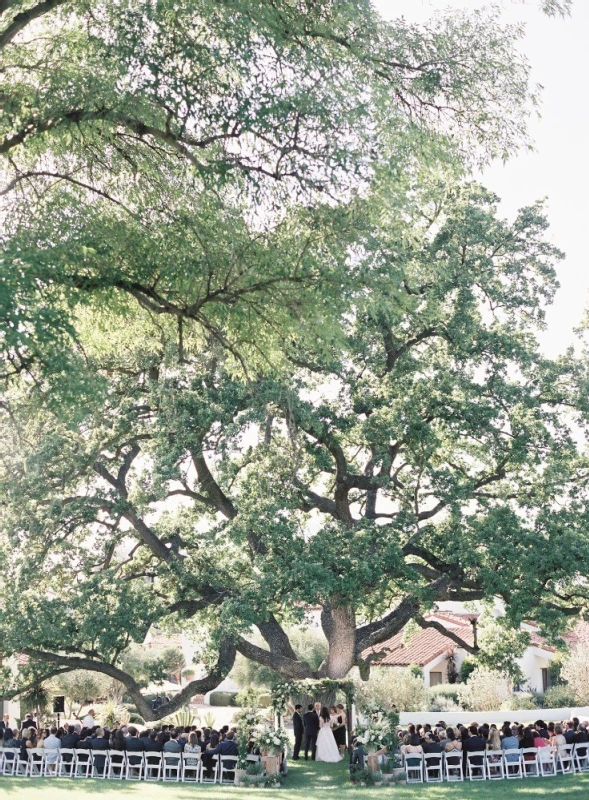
{"x":466,"y":717}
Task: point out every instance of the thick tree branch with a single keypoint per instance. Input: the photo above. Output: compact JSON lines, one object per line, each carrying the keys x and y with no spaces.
{"x":449,"y":634}
{"x":286,"y":666}
{"x":199,"y":686}
{"x":21,"y":20}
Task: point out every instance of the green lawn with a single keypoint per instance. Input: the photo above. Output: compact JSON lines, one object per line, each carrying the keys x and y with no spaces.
{"x":306,"y":781}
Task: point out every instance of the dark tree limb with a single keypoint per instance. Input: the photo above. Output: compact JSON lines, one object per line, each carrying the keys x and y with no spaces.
{"x":449,"y":634}
{"x":286,"y":666}
{"x":198,"y":686}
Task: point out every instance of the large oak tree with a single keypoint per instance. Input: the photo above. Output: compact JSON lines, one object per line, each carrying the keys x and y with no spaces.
{"x":262,"y":345}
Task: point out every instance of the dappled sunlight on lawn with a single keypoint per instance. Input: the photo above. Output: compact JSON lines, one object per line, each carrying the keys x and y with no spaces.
{"x":305,"y":781}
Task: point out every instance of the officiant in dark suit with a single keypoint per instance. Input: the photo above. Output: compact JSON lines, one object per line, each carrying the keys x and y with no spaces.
{"x":299,"y":730}
{"x":311,"y":723}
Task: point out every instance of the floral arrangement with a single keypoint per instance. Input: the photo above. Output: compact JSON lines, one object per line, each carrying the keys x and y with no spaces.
{"x":248,"y":721}
{"x":378,"y":728}
{"x":272,"y":741}
{"x":281,"y":694}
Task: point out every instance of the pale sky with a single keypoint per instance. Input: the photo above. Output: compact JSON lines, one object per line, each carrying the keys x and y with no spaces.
{"x":559,"y":167}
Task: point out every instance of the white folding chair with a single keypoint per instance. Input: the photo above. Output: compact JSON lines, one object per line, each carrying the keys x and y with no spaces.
{"x":531,"y":766}
{"x":513,"y":761}
{"x":116,"y":765}
{"x":22,"y":764}
{"x":476,"y":769}
{"x":495,"y":765}
{"x":565,"y":762}
{"x":547,"y":761}
{"x":50,"y":762}
{"x":582,"y":757}
{"x":172,"y":766}
{"x":36,"y":762}
{"x":135,"y":766}
{"x":191,"y":764}
{"x":453,"y":766}
{"x":83,"y":765}
{"x":222,"y":769}
{"x":65,"y":762}
{"x":414,"y":770}
{"x":11,"y":755}
{"x":153,"y":765}
{"x":433,"y":767}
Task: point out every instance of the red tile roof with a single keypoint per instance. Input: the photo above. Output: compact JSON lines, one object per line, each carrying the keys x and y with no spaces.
{"x":422,"y":648}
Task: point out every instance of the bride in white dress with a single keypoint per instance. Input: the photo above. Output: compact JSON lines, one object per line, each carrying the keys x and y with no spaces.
{"x":327,"y":749}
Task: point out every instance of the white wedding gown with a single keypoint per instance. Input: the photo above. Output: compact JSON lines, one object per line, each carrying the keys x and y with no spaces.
{"x":327,"y":749}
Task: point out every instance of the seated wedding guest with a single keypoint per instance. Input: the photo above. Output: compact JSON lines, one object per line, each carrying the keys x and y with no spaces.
{"x":70,"y":739}
{"x":145,"y":740}
{"x":452,"y":743}
{"x":510,"y":742}
{"x":173,"y":746}
{"x":12,"y":740}
{"x":558,"y":739}
{"x":133,"y":744}
{"x":206,"y":758}
{"x":83,"y":743}
{"x":117,"y":740}
{"x":493,"y":739}
{"x":543,"y":746}
{"x":154,"y":743}
{"x":52,"y":746}
{"x":527,"y":741}
{"x":413,"y":746}
{"x":432,"y":744}
{"x":185,"y":733}
{"x":541,"y":728}
{"x":99,"y":745}
{"x":228,"y":747}
{"x":28,"y":742}
{"x":68,"y":742}
{"x":191,"y":747}
{"x":569,"y":733}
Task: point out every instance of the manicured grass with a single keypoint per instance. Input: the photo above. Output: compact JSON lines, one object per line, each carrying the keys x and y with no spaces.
{"x":305,"y":781}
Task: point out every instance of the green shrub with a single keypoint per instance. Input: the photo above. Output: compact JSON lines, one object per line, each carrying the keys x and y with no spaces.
{"x":388,"y":686}
{"x":449,"y":690}
{"x":559,"y":697}
{"x":524,"y":701}
{"x":467,"y":667}
{"x":222,"y":698}
{"x":265,"y":700}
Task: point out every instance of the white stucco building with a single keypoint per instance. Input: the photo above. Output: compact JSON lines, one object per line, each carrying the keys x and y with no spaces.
{"x":437,"y":654}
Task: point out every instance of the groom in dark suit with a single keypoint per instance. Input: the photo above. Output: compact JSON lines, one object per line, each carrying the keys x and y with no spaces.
{"x":298,"y":730}
{"x":311,"y":722}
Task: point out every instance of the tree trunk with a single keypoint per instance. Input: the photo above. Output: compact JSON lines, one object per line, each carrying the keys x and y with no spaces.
{"x":342,"y":641}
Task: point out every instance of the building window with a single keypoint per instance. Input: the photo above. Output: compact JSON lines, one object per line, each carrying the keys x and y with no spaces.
{"x":545,"y":679}
{"x":435,"y":678}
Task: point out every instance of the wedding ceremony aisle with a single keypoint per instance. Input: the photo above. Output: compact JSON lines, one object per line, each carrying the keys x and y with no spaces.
{"x":306,"y":779}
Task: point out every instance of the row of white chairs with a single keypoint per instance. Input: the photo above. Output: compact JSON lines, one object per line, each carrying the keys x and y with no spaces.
{"x":530,"y":762}
{"x":114,"y":765}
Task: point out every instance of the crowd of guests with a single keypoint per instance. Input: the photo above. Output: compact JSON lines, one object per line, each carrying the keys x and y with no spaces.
{"x":189,"y":740}
{"x":474,"y":738}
